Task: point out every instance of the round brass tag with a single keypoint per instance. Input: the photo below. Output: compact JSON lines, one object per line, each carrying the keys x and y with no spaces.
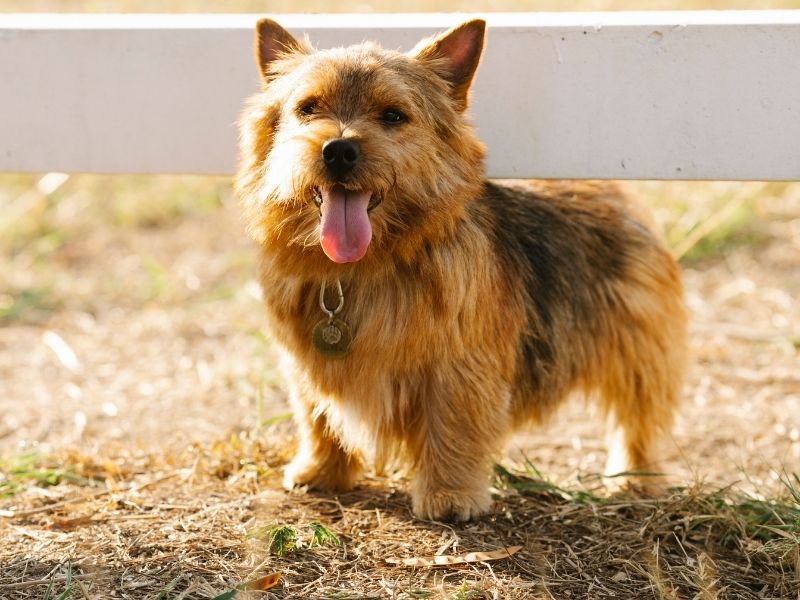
{"x":332,"y":337}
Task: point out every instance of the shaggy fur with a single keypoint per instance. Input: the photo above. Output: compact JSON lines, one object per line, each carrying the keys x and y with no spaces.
{"x":477,"y":307}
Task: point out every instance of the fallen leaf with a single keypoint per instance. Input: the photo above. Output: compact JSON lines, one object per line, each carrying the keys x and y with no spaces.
{"x":471,"y":557}
{"x":63,"y":524}
{"x":265,"y":583}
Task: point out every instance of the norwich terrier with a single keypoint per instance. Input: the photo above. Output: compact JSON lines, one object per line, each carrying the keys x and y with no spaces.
{"x":426,"y":312}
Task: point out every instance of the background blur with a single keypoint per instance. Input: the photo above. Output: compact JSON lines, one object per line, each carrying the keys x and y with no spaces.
{"x":129,"y":313}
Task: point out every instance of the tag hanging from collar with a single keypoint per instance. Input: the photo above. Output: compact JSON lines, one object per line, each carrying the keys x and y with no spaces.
{"x":331,"y":335}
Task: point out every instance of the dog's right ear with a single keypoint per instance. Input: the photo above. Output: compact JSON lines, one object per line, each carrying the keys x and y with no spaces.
{"x":273,"y":41}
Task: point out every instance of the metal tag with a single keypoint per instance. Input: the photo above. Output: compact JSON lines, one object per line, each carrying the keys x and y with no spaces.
{"x":332,"y":337}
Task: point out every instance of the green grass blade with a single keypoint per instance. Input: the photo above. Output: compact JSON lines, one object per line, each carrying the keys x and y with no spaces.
{"x":68,"y":584}
{"x":321,"y":535}
{"x":48,"y":593}
{"x":226,"y":595}
{"x":281,"y":539}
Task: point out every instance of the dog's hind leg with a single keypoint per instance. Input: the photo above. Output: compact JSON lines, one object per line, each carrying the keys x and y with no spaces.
{"x":641,"y":393}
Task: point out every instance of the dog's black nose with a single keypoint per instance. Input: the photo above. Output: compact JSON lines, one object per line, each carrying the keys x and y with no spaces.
{"x":340,"y":156}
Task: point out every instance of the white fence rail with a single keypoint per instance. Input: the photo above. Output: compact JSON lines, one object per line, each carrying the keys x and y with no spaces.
{"x":673,"y":95}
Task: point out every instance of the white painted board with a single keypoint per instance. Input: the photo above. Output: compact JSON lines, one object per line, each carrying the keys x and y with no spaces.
{"x":643,"y":95}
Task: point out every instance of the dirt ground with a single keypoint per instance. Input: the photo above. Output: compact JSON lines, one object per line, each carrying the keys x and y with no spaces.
{"x":136,"y":356}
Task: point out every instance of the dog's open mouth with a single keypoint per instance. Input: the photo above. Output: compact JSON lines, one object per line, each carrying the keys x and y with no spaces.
{"x":345,"y":230}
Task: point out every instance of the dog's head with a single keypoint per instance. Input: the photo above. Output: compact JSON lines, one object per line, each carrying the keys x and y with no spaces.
{"x":349,"y":146}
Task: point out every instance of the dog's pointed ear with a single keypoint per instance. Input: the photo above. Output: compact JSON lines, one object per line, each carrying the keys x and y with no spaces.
{"x":459,"y":49}
{"x":273,"y":41}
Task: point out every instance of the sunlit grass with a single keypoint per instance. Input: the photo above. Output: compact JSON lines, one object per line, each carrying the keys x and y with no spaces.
{"x":706,"y":219}
{"x":42,"y":213}
{"x":36,"y":220}
{"x":731,"y":514}
{"x":19,"y":472}
{"x":79,"y":239}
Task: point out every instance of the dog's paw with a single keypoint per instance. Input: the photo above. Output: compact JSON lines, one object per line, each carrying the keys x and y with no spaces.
{"x":302,"y":472}
{"x":445,"y":505}
{"x":646,"y":485}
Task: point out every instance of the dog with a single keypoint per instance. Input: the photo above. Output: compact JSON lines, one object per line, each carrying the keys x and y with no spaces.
{"x":425,"y":312}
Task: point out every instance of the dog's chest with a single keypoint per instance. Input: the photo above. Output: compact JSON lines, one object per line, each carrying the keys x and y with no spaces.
{"x":396,"y":326}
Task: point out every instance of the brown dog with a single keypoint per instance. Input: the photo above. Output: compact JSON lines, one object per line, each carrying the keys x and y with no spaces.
{"x":424,"y":311}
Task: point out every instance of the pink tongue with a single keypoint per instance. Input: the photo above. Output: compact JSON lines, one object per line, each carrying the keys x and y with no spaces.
{"x":345,"y":232}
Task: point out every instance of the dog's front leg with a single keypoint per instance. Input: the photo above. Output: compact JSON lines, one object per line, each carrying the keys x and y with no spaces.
{"x":463,"y":422}
{"x":321,"y":461}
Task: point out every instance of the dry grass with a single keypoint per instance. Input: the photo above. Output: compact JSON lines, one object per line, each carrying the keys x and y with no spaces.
{"x":203,"y":522}
{"x":143,"y":423}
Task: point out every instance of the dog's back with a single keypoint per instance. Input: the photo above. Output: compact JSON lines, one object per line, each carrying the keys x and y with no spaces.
{"x":604,"y":306}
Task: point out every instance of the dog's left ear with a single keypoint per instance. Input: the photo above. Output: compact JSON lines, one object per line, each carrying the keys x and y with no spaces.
{"x":460,"y":50}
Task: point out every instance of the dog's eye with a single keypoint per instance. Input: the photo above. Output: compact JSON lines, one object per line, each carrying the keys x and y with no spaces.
{"x":307,"y":108}
{"x":392,"y":116}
